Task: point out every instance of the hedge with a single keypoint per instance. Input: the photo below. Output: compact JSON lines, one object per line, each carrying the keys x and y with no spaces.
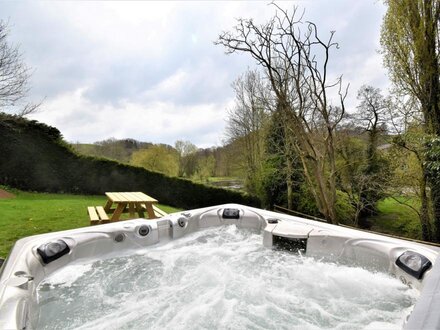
{"x":34,"y":156}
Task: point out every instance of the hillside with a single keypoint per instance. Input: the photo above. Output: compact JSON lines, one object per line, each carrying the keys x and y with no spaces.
{"x":120,"y":150}
{"x":35,"y":157}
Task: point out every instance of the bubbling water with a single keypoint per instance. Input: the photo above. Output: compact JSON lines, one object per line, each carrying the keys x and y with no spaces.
{"x":220,"y":278}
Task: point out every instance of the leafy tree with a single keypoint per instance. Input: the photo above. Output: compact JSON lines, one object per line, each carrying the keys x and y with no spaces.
{"x":116,"y":149}
{"x":158,"y":158}
{"x":120,"y":150}
{"x":409,"y":179}
{"x":408,"y":160}
{"x":351,"y":164}
{"x":205,"y":167}
{"x":225,"y":164}
{"x":410,"y":41}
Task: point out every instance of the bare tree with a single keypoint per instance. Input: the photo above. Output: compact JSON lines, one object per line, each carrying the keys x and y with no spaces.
{"x":187,"y":152}
{"x":14,"y":77}
{"x":296,"y":64}
{"x":245,"y":125}
{"x":372,"y":115}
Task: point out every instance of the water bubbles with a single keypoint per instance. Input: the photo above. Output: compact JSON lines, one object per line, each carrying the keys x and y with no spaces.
{"x":220,"y":278}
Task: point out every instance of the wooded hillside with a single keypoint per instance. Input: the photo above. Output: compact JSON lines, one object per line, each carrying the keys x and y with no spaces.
{"x":35,"y":157}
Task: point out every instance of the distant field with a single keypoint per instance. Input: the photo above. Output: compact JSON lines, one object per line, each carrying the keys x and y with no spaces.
{"x":222,"y":182}
{"x":36,"y":213}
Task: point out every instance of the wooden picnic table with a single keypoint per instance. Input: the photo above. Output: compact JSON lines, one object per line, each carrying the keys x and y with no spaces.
{"x":129,"y":202}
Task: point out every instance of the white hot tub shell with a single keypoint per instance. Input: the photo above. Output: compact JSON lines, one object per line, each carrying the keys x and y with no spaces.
{"x":34,"y":258}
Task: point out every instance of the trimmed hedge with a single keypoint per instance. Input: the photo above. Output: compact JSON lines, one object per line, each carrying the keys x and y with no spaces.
{"x":33,"y":156}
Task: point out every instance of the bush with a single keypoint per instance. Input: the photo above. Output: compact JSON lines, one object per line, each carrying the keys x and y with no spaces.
{"x":35,"y":157}
{"x":345,"y":212}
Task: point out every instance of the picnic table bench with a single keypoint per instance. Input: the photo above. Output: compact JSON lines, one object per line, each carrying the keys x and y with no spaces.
{"x":158,"y":212}
{"x":97,"y":215}
{"x":125,"y":202}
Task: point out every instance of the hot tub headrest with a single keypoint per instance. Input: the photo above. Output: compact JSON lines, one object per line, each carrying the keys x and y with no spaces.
{"x":53,"y":250}
{"x":231,"y":213}
{"x":413,"y":263}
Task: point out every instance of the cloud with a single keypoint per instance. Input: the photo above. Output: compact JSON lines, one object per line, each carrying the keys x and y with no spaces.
{"x":110,"y":69}
{"x":79,"y":119}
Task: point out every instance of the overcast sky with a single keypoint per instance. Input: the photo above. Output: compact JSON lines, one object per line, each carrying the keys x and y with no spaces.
{"x":150,"y":70}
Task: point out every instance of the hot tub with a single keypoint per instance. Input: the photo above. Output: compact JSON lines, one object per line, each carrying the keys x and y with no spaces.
{"x":228,"y":266}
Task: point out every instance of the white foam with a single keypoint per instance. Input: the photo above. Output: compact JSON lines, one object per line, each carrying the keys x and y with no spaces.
{"x":221,"y":278}
{"x":68,"y":275}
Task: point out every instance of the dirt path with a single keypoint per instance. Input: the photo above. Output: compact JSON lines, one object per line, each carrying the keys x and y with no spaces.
{"x":5,"y":194}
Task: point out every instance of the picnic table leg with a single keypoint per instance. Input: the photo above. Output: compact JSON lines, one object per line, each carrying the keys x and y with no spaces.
{"x":150,"y":211}
{"x":119,"y":209}
{"x":131,"y":210}
{"x":140,"y":210}
{"x":108,"y":205}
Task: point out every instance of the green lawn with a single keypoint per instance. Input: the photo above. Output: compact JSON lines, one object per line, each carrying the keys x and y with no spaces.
{"x":37,"y":213}
{"x":397,"y":219}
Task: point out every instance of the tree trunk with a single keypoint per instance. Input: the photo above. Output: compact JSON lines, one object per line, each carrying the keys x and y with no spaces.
{"x":289,"y":193}
{"x":431,"y":106}
{"x":435,"y":198}
{"x":332,"y":178}
{"x":326,"y":198}
{"x":424,"y":212}
{"x":289,"y":168}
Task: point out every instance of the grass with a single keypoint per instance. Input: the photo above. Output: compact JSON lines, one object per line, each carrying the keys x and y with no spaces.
{"x":36,"y":213}
{"x":397,"y":219}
